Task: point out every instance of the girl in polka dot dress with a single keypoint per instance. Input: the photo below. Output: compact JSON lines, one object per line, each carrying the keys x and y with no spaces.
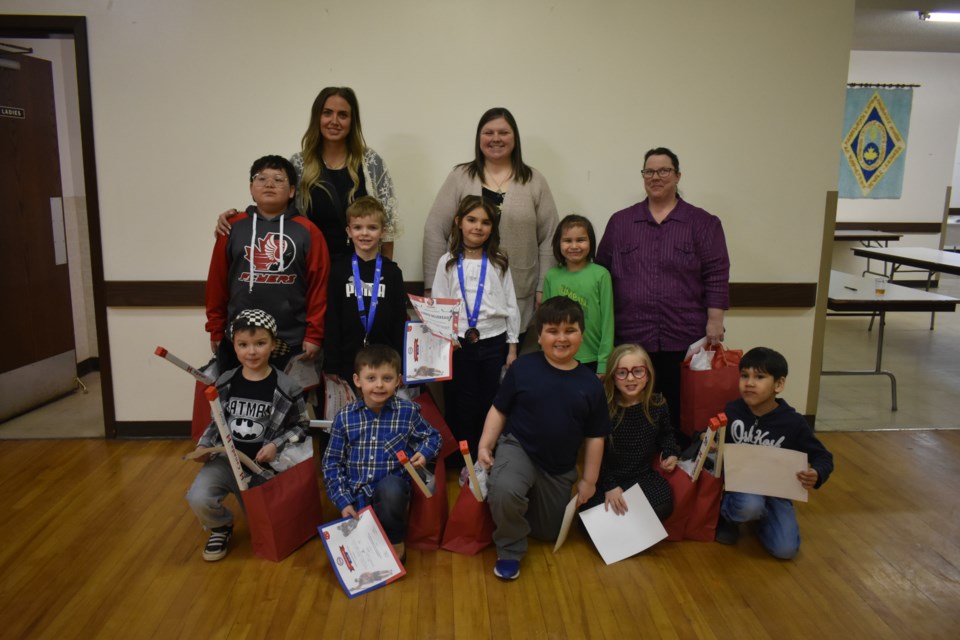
{"x":641,"y":435}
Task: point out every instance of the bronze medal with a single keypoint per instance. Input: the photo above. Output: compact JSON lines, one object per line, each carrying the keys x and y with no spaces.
{"x":472,"y":335}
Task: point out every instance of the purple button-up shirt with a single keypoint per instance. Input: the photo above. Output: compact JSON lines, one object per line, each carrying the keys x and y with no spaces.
{"x":666,"y":275}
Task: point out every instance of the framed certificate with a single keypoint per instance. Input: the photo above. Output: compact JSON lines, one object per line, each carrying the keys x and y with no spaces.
{"x":441,"y":315}
{"x":426,"y":356}
{"x":360,"y":553}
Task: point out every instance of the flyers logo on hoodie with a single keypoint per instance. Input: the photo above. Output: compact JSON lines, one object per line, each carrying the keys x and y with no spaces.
{"x":269,"y":257}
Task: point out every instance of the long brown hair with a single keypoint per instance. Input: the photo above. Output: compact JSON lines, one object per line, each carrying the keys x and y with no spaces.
{"x":311,"y":145}
{"x":492,"y":246}
{"x":521,"y":171}
{"x":647,"y":398}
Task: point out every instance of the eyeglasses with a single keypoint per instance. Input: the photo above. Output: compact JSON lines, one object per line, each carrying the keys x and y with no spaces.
{"x":622,"y":373}
{"x":261,"y":180}
{"x":663,"y":173}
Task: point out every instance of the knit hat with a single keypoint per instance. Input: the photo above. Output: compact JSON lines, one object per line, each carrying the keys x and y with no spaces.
{"x":258,"y":319}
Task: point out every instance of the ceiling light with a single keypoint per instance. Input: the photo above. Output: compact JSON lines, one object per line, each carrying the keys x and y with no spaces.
{"x":936,"y":16}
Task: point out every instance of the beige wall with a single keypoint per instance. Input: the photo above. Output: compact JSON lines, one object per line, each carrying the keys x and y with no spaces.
{"x":186,"y":94}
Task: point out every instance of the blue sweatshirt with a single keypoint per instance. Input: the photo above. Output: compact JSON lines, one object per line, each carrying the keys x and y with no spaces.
{"x":783,"y":427}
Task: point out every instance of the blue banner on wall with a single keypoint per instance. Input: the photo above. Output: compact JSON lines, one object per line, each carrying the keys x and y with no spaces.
{"x":876,"y":123}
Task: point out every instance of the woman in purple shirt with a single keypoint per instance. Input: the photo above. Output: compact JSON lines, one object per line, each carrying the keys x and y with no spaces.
{"x":671,"y":272}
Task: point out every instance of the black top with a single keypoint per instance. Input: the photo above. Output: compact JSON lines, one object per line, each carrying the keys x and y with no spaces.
{"x":330,"y":213}
{"x":634,"y":444}
{"x":550,"y":411}
{"x":248,"y":410}
{"x":495,"y":197}
{"x":343,"y":330}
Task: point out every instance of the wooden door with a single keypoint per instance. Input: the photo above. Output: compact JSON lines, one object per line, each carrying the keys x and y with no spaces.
{"x":38,"y":358}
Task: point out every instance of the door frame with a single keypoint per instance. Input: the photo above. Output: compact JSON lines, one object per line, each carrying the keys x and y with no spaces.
{"x":40,"y":26}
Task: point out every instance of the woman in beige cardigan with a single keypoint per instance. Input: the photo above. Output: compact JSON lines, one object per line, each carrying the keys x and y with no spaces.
{"x":528,"y":215}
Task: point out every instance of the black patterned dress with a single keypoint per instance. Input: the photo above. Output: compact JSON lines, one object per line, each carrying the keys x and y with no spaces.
{"x":634,"y":445}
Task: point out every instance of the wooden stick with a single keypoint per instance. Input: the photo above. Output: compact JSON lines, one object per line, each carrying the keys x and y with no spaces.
{"x":322,"y":425}
{"x":402,"y":457}
{"x":244,"y":458}
{"x":196,"y":373}
{"x":708,"y":436}
{"x":721,"y":439}
{"x":474,"y":483}
{"x":226,"y":436}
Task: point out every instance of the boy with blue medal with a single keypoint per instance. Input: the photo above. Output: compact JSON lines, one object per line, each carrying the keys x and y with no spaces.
{"x":379,"y":312}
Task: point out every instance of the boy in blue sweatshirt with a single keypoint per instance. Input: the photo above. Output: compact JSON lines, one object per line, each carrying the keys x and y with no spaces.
{"x":759,"y":417}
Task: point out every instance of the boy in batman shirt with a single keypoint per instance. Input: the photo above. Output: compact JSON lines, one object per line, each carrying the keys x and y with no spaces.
{"x":264,"y":410}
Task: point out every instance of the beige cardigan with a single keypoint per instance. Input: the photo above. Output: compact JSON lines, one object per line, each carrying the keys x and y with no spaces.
{"x":527,"y":223}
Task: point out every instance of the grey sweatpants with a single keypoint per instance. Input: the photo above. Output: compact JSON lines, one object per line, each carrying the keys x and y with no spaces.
{"x":524,"y":500}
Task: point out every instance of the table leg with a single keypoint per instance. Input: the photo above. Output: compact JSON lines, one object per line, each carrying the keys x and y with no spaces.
{"x":878,"y":369}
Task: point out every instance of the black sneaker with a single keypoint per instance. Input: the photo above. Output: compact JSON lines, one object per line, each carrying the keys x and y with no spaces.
{"x":217,"y":543}
{"x":728,"y":532}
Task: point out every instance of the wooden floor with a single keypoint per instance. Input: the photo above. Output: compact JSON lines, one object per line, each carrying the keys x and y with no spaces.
{"x":98,"y":542}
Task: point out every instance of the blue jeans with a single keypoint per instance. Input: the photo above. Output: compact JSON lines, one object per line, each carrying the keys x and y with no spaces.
{"x":776,"y":521}
{"x":391,"y":503}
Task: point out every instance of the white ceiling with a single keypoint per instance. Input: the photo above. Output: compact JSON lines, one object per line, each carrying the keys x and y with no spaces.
{"x":894,"y":25}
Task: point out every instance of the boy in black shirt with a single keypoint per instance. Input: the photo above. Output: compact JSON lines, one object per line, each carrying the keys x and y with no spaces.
{"x":547,"y":406}
{"x":264,"y":410}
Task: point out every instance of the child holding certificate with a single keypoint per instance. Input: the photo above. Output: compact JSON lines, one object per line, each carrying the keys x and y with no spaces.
{"x":759,"y":417}
{"x":360,"y":465}
{"x":476,"y":272}
{"x":641,"y":433}
{"x":548,"y":408}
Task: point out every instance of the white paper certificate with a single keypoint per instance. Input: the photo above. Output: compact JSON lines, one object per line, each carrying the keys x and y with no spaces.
{"x":764,"y":471}
{"x":426,"y":357}
{"x":360,"y":554}
{"x":441,"y":315}
{"x":618,"y":537}
{"x":568,"y":514}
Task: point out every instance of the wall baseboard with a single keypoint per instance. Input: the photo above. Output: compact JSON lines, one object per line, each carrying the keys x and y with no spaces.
{"x":88,"y":366}
{"x":178,"y":429}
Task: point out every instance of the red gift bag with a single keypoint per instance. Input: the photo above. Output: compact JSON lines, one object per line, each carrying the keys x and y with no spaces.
{"x":470,"y":526}
{"x":201,"y":412}
{"x":696,"y":505}
{"x":431,"y":413}
{"x":284,"y":512}
{"x":704,"y":394}
{"x":428,"y":516}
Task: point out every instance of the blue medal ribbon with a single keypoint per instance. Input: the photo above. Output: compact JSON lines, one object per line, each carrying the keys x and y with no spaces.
{"x":474,"y":314}
{"x":367,"y":319}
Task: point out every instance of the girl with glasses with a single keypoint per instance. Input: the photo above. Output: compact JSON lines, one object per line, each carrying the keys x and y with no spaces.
{"x":641,"y":435}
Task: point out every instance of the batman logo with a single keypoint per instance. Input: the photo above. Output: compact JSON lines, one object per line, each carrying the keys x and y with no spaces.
{"x":246,"y":429}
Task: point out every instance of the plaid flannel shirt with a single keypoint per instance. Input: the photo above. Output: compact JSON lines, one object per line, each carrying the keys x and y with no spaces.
{"x":363,"y":448}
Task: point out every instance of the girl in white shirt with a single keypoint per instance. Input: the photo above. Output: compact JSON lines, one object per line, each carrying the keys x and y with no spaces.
{"x":476,"y":272}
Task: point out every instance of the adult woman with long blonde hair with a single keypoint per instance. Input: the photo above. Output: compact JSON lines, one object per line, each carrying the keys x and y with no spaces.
{"x":335,"y":167}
